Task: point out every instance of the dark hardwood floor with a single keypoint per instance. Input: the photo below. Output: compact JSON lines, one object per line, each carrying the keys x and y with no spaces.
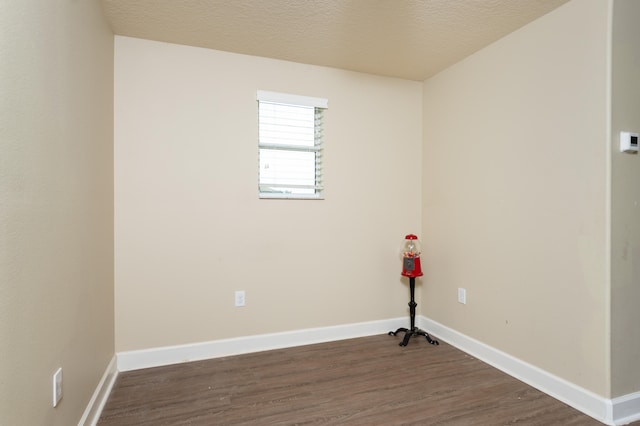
{"x":364,"y":381}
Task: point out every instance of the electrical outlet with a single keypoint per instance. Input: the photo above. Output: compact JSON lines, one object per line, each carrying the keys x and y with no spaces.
{"x":462,"y":296}
{"x":240,"y":298}
{"x":57,"y":386}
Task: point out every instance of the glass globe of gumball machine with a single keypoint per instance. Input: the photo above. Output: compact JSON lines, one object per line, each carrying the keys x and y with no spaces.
{"x":411,"y":251}
{"x":412,"y":268}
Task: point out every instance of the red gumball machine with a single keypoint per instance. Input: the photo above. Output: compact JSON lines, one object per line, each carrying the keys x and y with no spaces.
{"x":411,"y":257}
{"x":412,"y":268}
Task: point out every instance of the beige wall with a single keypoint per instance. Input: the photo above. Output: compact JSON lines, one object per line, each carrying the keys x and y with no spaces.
{"x":56,"y":207}
{"x":515,"y":195}
{"x":625,"y":205}
{"x":190,"y":229}
{"x":514,"y":200}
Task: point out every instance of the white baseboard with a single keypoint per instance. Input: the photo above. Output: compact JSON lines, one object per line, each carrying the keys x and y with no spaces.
{"x":618,"y":411}
{"x":100,"y":395}
{"x":135,"y":360}
{"x":626,"y":409}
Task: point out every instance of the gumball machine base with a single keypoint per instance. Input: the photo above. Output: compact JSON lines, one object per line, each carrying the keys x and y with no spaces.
{"x":413,"y":331}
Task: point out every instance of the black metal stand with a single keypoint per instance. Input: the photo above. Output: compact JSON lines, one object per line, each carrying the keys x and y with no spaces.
{"x":413,"y":331}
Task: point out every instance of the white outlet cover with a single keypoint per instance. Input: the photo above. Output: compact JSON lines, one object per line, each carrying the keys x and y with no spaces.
{"x":57,"y":386}
{"x":462,"y":296}
{"x":240,"y":298}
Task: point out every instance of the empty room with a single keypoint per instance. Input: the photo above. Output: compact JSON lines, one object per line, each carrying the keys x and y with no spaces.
{"x":154,"y":229}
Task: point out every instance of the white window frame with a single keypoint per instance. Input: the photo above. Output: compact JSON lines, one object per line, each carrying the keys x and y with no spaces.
{"x":317,"y":148}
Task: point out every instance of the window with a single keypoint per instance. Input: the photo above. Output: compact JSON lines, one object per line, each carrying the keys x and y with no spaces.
{"x":290,"y":145}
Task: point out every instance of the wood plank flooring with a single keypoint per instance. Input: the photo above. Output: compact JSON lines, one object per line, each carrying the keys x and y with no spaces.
{"x":363,"y":381}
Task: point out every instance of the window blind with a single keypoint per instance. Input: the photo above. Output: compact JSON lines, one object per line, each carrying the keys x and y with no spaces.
{"x":290,"y":145}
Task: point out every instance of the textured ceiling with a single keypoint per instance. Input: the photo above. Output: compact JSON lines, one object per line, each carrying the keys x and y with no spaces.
{"x":411,"y":39}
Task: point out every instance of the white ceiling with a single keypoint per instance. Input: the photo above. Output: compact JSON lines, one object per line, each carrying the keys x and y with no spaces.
{"x":411,"y":39}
